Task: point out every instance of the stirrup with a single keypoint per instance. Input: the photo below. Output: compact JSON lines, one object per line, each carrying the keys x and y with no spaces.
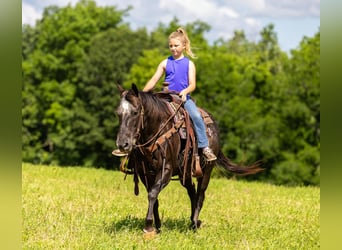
{"x":197,"y":172}
{"x":117,"y":152}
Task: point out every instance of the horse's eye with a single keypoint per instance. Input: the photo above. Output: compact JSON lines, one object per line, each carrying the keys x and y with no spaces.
{"x":135,"y":112}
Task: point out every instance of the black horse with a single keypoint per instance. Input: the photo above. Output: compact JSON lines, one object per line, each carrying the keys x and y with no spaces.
{"x":149,"y":134}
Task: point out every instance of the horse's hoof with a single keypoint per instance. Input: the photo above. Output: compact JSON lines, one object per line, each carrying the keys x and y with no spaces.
{"x":149,"y":235}
{"x":197,"y":225}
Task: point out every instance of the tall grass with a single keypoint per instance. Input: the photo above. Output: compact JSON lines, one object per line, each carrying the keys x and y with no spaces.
{"x":83,"y":208}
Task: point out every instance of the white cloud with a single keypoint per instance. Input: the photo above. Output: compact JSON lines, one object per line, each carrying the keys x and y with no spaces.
{"x":256,"y":4}
{"x":302,"y":8}
{"x":290,"y":8}
{"x":59,"y":2}
{"x":196,"y":8}
{"x":223,"y":19}
{"x":245,"y":7}
{"x":224,"y":16}
{"x":252,"y":22}
{"x":276,"y":8}
{"x":30,"y":14}
{"x":228,"y":12}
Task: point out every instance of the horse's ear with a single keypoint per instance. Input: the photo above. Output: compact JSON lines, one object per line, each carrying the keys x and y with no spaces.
{"x":120,"y":88}
{"x":135,"y":89}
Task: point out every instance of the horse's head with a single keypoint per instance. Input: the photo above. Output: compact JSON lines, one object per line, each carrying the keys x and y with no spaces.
{"x":130,"y":112}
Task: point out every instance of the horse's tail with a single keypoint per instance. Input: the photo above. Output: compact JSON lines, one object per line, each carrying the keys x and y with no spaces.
{"x":234,"y":168}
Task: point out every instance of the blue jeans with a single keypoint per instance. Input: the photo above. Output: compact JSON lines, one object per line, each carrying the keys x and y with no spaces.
{"x":197,"y":119}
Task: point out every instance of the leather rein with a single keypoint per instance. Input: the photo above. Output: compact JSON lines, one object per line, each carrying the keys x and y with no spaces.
{"x":154,"y":137}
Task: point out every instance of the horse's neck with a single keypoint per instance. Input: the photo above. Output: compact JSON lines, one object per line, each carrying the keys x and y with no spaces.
{"x":155,"y":116}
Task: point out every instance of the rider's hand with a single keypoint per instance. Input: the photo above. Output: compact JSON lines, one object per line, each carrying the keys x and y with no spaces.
{"x":183,"y":94}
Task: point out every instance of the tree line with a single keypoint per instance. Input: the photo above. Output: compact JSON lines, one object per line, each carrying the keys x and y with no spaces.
{"x":266,"y":102}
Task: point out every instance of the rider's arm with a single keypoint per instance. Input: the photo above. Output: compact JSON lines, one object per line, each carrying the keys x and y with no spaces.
{"x":155,"y":78}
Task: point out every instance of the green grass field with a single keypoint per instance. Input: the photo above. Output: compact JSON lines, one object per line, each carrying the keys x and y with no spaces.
{"x":85,"y":208}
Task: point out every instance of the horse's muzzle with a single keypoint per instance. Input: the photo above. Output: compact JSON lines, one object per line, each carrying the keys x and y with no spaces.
{"x":125,"y":145}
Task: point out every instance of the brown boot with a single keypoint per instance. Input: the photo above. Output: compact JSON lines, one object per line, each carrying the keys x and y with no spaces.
{"x":208,"y":153}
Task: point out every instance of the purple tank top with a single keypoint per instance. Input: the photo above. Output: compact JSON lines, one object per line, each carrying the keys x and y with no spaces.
{"x":177,"y":73}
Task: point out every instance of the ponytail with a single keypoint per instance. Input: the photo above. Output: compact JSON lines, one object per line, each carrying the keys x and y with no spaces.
{"x":181,"y":34}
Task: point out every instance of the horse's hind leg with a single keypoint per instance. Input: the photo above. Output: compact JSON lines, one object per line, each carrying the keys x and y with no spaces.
{"x":202,"y":186}
{"x":190,"y":187}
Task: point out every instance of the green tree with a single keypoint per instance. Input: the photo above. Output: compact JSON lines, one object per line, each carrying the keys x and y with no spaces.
{"x":110,"y":56}
{"x":53,"y":51}
{"x":301,"y":117}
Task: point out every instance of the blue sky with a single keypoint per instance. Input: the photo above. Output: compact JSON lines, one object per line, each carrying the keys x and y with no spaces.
{"x":293,"y":19}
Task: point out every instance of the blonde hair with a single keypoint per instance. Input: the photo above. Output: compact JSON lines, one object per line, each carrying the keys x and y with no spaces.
{"x":181,"y":34}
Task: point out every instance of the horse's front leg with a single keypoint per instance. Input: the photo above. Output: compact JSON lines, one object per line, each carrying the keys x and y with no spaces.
{"x":157,"y":221}
{"x":161,"y":180}
{"x":152,"y":207}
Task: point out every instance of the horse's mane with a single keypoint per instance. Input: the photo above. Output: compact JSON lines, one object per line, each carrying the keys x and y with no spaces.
{"x":152,"y":102}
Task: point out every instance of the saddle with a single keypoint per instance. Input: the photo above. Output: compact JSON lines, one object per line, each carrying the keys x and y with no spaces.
{"x":183,"y":126}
